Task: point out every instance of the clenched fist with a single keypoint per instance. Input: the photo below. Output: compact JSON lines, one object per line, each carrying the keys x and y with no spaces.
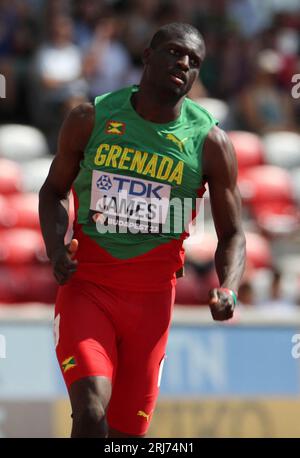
{"x":62,"y":261}
{"x":222,"y":303}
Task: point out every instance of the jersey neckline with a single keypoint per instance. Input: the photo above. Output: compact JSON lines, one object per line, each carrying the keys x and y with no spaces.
{"x":134,"y":88}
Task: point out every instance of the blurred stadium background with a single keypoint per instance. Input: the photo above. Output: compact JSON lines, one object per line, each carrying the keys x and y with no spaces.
{"x":240,"y":379}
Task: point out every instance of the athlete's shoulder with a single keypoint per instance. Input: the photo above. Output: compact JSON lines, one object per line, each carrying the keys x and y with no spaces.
{"x":219,"y":157}
{"x":83,"y":112}
{"x":218,"y":138}
{"x":79,"y":123}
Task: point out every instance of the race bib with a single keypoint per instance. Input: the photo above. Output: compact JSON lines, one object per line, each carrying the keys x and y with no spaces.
{"x":127,"y":202}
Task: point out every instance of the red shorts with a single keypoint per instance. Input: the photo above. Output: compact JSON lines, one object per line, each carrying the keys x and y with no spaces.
{"x":101,"y":331}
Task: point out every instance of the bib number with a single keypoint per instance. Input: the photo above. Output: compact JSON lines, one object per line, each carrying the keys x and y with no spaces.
{"x":128,"y":202}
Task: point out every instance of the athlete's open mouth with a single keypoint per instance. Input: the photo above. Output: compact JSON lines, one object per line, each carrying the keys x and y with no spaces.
{"x":178,"y":78}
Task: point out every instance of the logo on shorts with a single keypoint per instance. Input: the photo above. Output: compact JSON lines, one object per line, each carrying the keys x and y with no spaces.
{"x":68,"y":363}
{"x":104,"y":183}
{"x":141,"y":413}
{"x":115,"y":127}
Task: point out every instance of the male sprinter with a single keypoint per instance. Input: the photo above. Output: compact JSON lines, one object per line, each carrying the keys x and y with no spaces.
{"x":127,"y":158}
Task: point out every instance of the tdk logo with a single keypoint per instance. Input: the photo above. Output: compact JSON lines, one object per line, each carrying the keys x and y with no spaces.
{"x":104,"y":183}
{"x":137,"y":187}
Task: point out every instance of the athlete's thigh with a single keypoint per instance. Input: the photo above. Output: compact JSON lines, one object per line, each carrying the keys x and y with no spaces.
{"x":84,"y":333}
{"x":140,"y":361}
{"x":90,"y":392}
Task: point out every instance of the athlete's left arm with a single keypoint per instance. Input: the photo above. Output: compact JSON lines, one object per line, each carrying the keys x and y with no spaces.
{"x":220,"y":172}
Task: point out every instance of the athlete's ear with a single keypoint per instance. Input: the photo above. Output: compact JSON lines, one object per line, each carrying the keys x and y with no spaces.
{"x":146,"y":55}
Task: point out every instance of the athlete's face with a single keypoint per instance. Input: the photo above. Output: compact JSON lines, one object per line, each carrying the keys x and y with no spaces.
{"x":175,"y":63}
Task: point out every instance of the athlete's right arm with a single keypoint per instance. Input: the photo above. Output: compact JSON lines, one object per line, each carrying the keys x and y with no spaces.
{"x":53,"y":197}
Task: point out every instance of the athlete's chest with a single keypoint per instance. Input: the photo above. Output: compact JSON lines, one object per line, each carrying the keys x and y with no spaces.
{"x":165,"y":154}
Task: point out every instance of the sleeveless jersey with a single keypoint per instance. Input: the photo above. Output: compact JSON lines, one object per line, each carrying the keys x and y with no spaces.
{"x":136,"y":192}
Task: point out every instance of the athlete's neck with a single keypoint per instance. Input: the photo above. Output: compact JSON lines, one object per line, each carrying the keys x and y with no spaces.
{"x":155,"y":107}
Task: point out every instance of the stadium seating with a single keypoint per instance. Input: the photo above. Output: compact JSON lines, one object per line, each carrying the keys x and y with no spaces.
{"x":200,"y":275}
{"x":22,"y":252}
{"x":259,"y":254}
{"x":25,"y":273}
{"x":7,"y":215}
{"x":25,"y":209}
{"x":282,"y":149}
{"x":295,"y":175}
{"x":24,"y":283}
{"x":22,"y":143}
{"x":10,"y":177}
{"x":248,"y":147}
{"x":34,"y":173}
{"x":268,"y":191}
{"x":21,"y":246}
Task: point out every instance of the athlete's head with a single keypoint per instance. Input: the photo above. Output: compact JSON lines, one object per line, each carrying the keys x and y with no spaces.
{"x":172,"y":60}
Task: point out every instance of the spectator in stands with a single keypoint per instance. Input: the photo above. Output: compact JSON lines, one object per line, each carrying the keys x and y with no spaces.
{"x":107,"y":62}
{"x":18,"y":35}
{"x":58,"y":75}
{"x":262,"y":105}
{"x":86,"y":17}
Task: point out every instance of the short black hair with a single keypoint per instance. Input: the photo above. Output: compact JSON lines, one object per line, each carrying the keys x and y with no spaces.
{"x":175,"y":28}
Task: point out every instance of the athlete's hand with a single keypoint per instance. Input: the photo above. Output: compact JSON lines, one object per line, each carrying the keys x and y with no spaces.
{"x":62,"y":261}
{"x":221,"y":304}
